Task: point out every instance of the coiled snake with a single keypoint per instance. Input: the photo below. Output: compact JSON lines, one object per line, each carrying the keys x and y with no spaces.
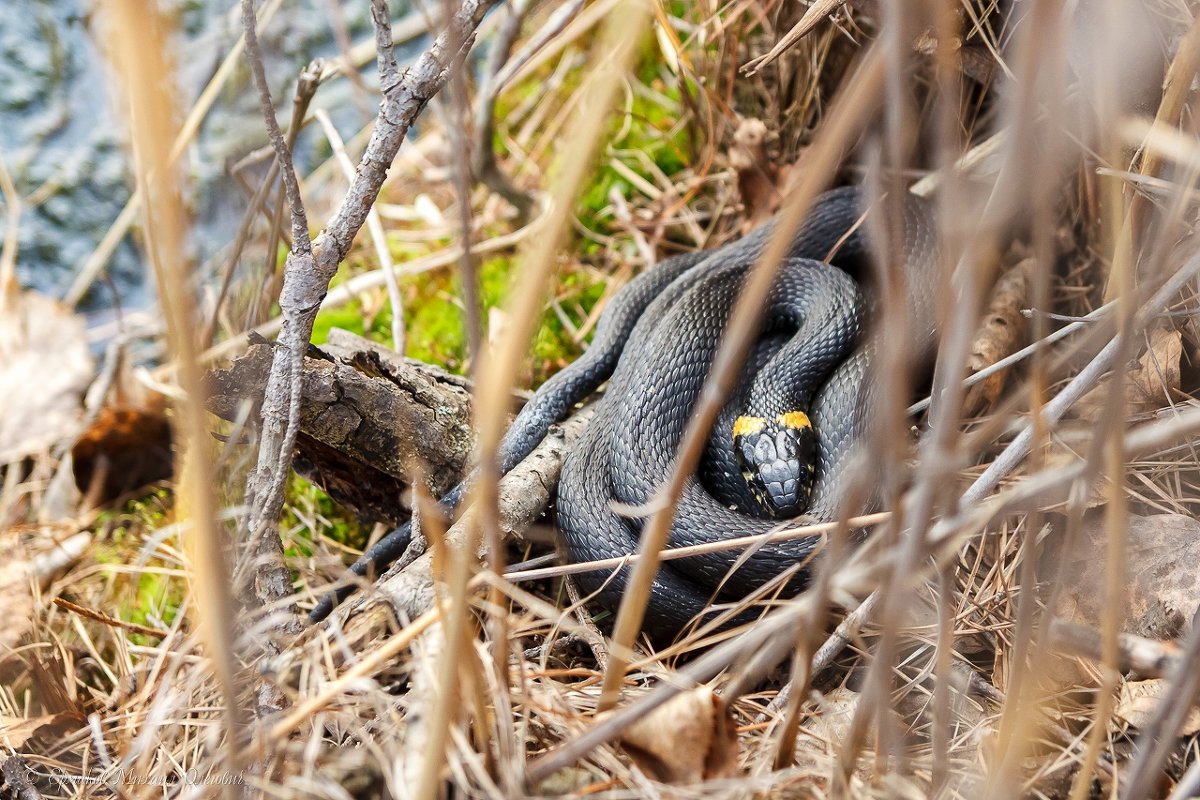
{"x":656,"y":339}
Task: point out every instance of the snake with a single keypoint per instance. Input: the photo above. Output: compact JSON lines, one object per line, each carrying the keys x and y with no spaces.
{"x":783,"y":440}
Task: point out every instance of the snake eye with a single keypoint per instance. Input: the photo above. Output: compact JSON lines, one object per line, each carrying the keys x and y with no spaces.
{"x":777,"y":458}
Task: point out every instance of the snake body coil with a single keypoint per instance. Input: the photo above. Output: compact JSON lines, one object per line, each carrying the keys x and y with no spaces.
{"x":656,"y":339}
{"x":811,"y":326}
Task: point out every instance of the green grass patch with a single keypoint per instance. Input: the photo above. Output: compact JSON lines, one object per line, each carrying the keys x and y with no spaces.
{"x":148,"y":597}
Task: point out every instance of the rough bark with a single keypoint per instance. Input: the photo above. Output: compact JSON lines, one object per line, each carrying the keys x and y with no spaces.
{"x":368,"y":421}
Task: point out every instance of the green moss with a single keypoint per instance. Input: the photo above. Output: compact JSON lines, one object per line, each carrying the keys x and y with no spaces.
{"x":156,"y":601}
{"x":434,"y":321}
{"x":346,"y":317}
{"x":146,"y":597}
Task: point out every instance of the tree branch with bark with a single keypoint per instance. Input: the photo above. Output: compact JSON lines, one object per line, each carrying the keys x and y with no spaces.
{"x":310,"y":267}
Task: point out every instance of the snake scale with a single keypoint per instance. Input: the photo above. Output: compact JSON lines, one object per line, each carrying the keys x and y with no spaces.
{"x":656,"y":340}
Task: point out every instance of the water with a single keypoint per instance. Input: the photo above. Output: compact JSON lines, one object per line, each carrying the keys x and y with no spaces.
{"x":64,"y":142}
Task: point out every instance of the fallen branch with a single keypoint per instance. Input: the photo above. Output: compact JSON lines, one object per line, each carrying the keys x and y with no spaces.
{"x":524,"y":493}
{"x":1149,"y":658}
{"x":368,"y":418}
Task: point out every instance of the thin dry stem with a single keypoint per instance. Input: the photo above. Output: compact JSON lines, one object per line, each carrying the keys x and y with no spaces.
{"x":12,"y":232}
{"x":375,"y":228}
{"x":142,"y":60}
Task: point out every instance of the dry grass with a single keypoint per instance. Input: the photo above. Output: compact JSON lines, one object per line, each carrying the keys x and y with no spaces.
{"x":950,"y":686}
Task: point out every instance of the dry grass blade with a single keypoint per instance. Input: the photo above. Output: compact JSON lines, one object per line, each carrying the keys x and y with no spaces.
{"x":615,"y":49}
{"x":804,"y":531}
{"x":362,"y":668}
{"x":813,"y":15}
{"x":141,"y":60}
{"x":1176,"y":86}
{"x":12,"y":229}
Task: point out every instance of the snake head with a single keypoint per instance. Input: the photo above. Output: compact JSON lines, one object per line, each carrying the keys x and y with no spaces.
{"x":777,"y":459}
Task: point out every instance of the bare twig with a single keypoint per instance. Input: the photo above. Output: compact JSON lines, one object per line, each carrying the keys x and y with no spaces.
{"x":272,"y":581}
{"x":309,"y":270}
{"x":813,"y":15}
{"x":105,"y":619}
{"x":524,"y":494}
{"x":1020,"y":355}
{"x":301,"y":245}
{"x":306,"y":89}
{"x":1189,"y":784}
{"x":1159,"y":735}
{"x":558,"y":21}
{"x":341,"y":35}
{"x":501,"y":69}
{"x":485,"y":166}
{"x":1149,"y":658}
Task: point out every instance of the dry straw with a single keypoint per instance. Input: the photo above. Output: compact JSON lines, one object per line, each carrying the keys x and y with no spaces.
{"x":922,"y":663}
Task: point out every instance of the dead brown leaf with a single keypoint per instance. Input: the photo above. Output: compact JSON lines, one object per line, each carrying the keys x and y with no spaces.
{"x":689,"y":739}
{"x":18,"y":733}
{"x":1162,"y":562}
{"x":1157,"y":375}
{"x":757,"y":175}
{"x":1002,"y":332}
{"x":45,"y":368}
{"x":1149,"y":384}
{"x":124,"y":449}
{"x":1137,"y":702}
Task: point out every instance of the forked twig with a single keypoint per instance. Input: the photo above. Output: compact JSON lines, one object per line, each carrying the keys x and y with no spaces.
{"x":310,"y":268}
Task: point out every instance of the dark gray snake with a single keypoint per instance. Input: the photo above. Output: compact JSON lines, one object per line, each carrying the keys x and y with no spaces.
{"x":656,"y":340}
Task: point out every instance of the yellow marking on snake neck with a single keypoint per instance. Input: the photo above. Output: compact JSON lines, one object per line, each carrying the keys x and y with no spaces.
{"x":744,"y":426}
{"x":794,"y":419}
